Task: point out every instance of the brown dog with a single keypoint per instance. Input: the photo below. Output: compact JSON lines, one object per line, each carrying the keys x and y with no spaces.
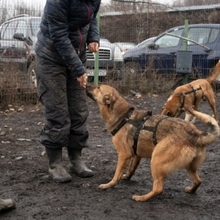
{"x":191,"y":94}
{"x":171,"y":143}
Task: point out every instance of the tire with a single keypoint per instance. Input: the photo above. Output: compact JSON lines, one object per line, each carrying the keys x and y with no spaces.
{"x":32,"y":75}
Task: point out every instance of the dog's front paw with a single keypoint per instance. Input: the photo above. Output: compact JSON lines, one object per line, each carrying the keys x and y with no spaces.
{"x":138,"y":198}
{"x":104,"y":186}
{"x":193,"y":188}
{"x":126,"y":177}
{"x":190,"y":189}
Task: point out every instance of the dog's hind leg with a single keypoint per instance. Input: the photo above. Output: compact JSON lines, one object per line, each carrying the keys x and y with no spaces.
{"x":156,"y":190}
{"x":123,"y":161}
{"x":211,"y":100}
{"x":188,"y":116}
{"x":192,"y":170}
{"x":196,"y":180}
{"x":135,"y":161}
{"x":158,"y":174}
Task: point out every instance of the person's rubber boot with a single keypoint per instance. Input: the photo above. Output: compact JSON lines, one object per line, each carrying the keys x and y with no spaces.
{"x":77,"y":165}
{"x":6,"y":204}
{"x":56,"y":170}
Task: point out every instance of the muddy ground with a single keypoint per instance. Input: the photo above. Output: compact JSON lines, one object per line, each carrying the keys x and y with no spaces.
{"x":24,"y":175}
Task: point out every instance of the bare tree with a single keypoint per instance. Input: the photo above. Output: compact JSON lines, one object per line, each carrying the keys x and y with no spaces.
{"x":24,"y":8}
{"x":20,"y":9}
{"x":4,"y":15}
{"x":4,"y":12}
{"x":194,"y":2}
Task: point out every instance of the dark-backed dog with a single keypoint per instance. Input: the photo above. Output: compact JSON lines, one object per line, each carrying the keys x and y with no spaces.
{"x":191,"y":94}
{"x":171,"y":143}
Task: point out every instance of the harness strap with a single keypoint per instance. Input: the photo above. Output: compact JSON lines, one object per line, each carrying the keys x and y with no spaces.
{"x":139,"y":126}
{"x":183,"y":101}
{"x":154,"y":130}
{"x":123,"y":122}
{"x":148,"y":128}
{"x":186,"y":93}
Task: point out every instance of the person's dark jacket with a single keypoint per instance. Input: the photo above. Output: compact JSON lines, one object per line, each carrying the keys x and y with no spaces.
{"x":66,"y":28}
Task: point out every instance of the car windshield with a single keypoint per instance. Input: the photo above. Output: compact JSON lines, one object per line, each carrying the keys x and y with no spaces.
{"x":145,"y":42}
{"x":35,"y":24}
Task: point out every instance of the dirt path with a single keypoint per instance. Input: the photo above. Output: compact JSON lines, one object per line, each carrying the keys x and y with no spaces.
{"x":24,"y":176}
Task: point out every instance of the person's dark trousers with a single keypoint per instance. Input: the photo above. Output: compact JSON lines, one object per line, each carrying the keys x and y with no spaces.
{"x":65,"y":109}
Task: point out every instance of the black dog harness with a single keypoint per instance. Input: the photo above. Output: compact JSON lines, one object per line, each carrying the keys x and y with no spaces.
{"x":139,"y":125}
{"x":186,"y":93}
{"x":124,"y":121}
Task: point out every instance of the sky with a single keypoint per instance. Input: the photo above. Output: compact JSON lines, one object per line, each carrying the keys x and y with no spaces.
{"x":41,"y":3}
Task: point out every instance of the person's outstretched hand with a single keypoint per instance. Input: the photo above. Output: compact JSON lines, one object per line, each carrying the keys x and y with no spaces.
{"x":83,"y":80}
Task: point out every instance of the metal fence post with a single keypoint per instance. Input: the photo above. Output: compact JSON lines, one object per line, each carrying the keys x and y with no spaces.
{"x":96,"y":70}
{"x":184,"y":57}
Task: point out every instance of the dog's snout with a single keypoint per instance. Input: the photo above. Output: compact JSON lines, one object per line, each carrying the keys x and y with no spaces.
{"x":89,"y":91}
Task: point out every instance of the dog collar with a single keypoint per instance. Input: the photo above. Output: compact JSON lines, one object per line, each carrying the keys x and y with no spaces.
{"x":123,"y":122}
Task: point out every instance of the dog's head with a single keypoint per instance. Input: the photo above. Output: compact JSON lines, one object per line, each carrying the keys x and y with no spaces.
{"x":172,"y":106}
{"x":103,"y":94}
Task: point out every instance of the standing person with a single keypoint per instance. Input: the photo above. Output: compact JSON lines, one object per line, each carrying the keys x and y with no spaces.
{"x":67,"y":27}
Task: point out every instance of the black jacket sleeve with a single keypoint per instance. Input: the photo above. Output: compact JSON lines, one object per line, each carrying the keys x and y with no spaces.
{"x":57,"y":16}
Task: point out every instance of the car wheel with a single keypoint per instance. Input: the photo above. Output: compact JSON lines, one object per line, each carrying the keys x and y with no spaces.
{"x":32,"y":75}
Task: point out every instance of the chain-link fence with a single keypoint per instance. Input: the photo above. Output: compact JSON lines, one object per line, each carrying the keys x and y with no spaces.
{"x":148,"y":67}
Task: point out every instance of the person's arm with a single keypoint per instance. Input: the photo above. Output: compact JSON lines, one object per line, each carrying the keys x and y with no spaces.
{"x":93,"y":34}
{"x":58,"y":28}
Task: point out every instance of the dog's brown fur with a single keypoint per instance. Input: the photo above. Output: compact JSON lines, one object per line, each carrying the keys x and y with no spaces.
{"x":180,"y":145}
{"x":178,"y":99}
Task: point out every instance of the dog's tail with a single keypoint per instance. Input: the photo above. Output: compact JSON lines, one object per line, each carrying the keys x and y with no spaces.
{"x":210,"y":136}
{"x":215,"y":73}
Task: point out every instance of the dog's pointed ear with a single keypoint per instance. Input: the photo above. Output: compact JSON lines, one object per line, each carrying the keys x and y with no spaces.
{"x":109,"y":100}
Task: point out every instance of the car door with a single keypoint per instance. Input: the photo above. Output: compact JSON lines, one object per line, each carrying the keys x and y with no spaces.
{"x":6,"y":34}
{"x":162,"y":55}
{"x":12,"y":50}
{"x":203,"y":44}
